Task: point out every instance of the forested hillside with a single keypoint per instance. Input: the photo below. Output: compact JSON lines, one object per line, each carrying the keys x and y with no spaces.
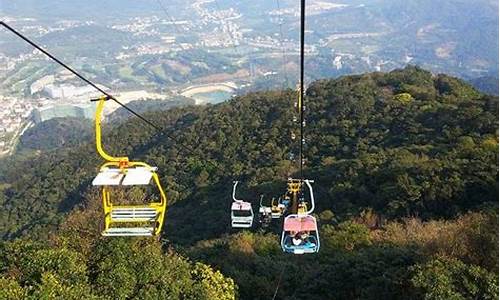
{"x":56,"y":133}
{"x":406,"y":180}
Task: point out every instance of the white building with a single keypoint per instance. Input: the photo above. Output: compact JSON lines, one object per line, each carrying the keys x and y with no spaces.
{"x":67,"y":91}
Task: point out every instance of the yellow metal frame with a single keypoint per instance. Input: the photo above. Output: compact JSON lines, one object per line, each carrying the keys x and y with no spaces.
{"x":293,"y":188}
{"x":274,"y":206}
{"x":299,"y":101}
{"x":124,"y":164}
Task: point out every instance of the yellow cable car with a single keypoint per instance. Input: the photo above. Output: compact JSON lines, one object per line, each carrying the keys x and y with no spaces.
{"x":145,"y":219}
{"x":278,"y":208}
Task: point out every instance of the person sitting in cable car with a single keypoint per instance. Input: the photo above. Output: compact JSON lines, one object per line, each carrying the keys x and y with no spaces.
{"x":303,"y":239}
{"x":296,"y":239}
{"x":310,"y":242}
{"x":286,"y":201}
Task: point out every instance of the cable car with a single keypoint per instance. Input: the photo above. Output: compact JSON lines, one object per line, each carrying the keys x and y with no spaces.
{"x":241,"y":212}
{"x":300,"y":234}
{"x":117,"y":175}
{"x":300,"y":231}
{"x":277,"y":208}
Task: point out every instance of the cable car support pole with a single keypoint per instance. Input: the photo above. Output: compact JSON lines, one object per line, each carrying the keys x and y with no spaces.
{"x":301,"y":84}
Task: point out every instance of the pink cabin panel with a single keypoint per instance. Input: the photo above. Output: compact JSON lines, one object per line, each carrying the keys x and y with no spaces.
{"x":241,"y":206}
{"x":307,"y":223}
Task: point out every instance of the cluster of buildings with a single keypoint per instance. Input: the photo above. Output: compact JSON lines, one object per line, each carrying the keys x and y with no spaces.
{"x":13,"y":114}
{"x":313,"y":8}
{"x":50,"y":96}
{"x":227,"y":33}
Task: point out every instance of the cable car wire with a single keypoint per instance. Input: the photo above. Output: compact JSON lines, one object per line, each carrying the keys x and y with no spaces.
{"x":279,"y":282}
{"x":301,"y":87}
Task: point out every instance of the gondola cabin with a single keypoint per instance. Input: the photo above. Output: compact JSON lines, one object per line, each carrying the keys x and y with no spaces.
{"x":300,"y":234}
{"x":277,"y":209}
{"x":241,"y":215}
{"x":241,"y":212}
{"x":265,"y":217}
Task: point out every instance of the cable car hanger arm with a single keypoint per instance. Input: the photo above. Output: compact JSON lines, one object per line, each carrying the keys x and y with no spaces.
{"x":234,"y":192}
{"x":98,"y":134}
{"x":311,"y":193}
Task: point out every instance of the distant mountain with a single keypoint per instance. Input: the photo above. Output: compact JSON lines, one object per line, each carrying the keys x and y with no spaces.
{"x":486,"y":84}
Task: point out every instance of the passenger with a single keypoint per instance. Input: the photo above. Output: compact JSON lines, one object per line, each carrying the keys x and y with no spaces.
{"x":299,"y":238}
{"x":310,"y":242}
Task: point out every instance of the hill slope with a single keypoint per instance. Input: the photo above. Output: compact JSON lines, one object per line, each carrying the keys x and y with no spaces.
{"x":56,"y":133}
{"x":404,"y":143}
{"x":383,"y":148}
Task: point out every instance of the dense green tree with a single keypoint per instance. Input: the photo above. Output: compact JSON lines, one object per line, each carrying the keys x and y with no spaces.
{"x":452,"y":279}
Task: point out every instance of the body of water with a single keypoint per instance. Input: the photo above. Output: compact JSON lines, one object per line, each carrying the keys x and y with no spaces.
{"x":212,"y":97}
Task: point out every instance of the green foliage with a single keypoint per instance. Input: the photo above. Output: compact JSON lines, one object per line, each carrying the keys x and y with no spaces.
{"x":326,"y":216}
{"x":56,"y":133}
{"x":434,"y":156}
{"x":116,"y":269}
{"x":472,"y":238}
{"x":45,"y":273}
{"x":448,"y":86}
{"x":452,"y":279}
{"x":10,"y":289}
{"x":141,"y":106}
{"x":355,"y":262}
{"x":210,"y":284}
{"x":403,"y":98}
{"x":347,"y":236}
{"x":51,"y":287}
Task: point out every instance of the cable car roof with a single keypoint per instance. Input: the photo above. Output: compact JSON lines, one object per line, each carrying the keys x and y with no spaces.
{"x":307,"y":223}
{"x":133,"y":176}
{"x":241,"y":206}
